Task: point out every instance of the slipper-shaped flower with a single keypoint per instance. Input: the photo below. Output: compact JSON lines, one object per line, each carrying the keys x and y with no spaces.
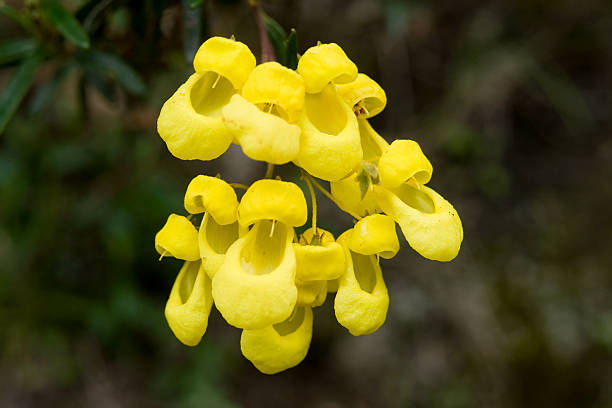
{"x":190,"y":121}
{"x":325,"y":63}
{"x":262,"y":120}
{"x":365,"y":96}
{"x":189,"y":304}
{"x":178,"y":238}
{"x":430,"y":223}
{"x":255,"y":286}
{"x":214,"y":196}
{"x":402,"y":161}
{"x":330,"y":146}
{"x":214,"y":240}
{"x":281,"y":346}
{"x":374,"y":235}
{"x":319,"y":258}
{"x":347,"y":194}
{"x":372,"y":143}
{"x":362,"y":300}
{"x":311,"y":293}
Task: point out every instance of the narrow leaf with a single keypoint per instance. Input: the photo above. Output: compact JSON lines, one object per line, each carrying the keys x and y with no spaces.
{"x":195,"y":3}
{"x":16,"y":89}
{"x":65,"y":23}
{"x":44,"y":93}
{"x":113,"y":66}
{"x":277,"y":36}
{"x":19,"y":17}
{"x":14,"y":50}
{"x":364,"y":183}
{"x":291,"y":58}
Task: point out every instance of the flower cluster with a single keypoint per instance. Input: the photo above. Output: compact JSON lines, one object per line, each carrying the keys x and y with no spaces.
{"x":245,"y":256}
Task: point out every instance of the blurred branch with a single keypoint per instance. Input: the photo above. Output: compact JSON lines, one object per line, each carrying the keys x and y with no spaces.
{"x":267,"y":53}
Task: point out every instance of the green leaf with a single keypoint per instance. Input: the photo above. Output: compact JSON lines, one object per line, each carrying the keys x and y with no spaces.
{"x":14,"y":50}
{"x":20,"y":18}
{"x":113,"y":66}
{"x":43,"y":94}
{"x":195,"y":3}
{"x":65,"y":23}
{"x":16,"y":89}
{"x":291,"y":52}
{"x":365,"y":181}
{"x":277,"y":36}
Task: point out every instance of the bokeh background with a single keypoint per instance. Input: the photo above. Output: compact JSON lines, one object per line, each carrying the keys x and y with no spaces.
{"x":511,"y":101}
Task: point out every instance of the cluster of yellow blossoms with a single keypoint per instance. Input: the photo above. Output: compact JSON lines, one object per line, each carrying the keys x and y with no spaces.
{"x":246,"y":257}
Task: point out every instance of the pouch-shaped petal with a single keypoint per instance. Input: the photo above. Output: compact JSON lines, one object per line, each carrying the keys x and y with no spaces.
{"x":281,"y":346}
{"x":213,"y":195}
{"x":277,"y":89}
{"x":189,"y":304}
{"x":362,"y":300}
{"x":401,"y":161}
{"x":325,"y":63}
{"x":214,"y":240}
{"x":226,"y":57}
{"x":365,"y":96}
{"x":321,"y":260}
{"x":348,"y":196}
{"x":374,"y":235}
{"x":273,"y":200}
{"x":255,"y":287}
{"x":430,"y":223}
{"x":263,"y":136}
{"x":311,"y":293}
{"x":178,"y":238}
{"x":330,"y":146}
{"x":190,"y":121}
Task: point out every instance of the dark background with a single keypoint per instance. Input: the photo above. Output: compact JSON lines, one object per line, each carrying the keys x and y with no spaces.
{"x":510,"y":100}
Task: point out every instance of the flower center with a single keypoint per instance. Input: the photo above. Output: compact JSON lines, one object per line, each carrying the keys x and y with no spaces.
{"x":210,"y":93}
{"x":365,"y":273}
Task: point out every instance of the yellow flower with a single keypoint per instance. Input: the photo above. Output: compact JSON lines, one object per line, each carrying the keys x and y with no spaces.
{"x":330,"y":147}
{"x":402,"y":160}
{"x":323,"y":64}
{"x":374,"y":235}
{"x":189,"y":304}
{"x":311,"y":293}
{"x":214,"y":240}
{"x":362,"y":300}
{"x":318,"y":258}
{"x":255,"y":286}
{"x":190,"y":121}
{"x":262,"y":119}
{"x":364,"y":95}
{"x":430,"y":223}
{"x":214,"y":196}
{"x":281,"y":346}
{"x":178,"y":238}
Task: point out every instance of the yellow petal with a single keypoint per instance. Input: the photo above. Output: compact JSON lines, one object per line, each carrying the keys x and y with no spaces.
{"x":365,"y":96}
{"x":273,"y":200}
{"x":374,"y":235}
{"x":322,"y":261}
{"x":178,"y":238}
{"x":311,"y":293}
{"x":190,"y":121}
{"x":401,"y":161}
{"x":281,"y":346}
{"x":263,"y":136}
{"x":281,"y":88}
{"x":330,"y":146}
{"x":362,"y":300}
{"x":255,"y":287}
{"x":189,"y":304}
{"x":348,"y":195}
{"x":226,"y":57}
{"x":213,"y":195}
{"x":323,"y":64}
{"x":430,"y":223}
{"x":214,"y":240}
{"x":372,"y":143}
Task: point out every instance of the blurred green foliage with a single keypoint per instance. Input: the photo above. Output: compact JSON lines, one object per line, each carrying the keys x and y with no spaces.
{"x":510,"y":100}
